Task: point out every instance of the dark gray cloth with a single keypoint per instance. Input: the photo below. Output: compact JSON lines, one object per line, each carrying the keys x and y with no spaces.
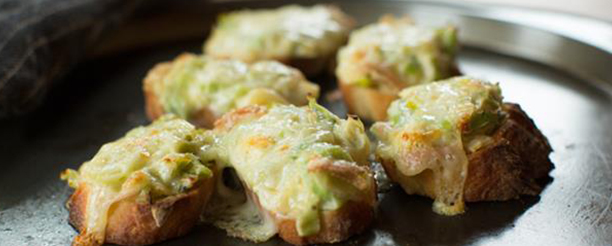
{"x":40,"y":40}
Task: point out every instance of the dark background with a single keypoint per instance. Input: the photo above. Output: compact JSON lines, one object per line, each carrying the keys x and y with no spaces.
{"x":560,"y":82}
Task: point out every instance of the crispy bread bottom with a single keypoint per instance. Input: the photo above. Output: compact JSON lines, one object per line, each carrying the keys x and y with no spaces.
{"x":133,"y":223}
{"x":336,"y":226}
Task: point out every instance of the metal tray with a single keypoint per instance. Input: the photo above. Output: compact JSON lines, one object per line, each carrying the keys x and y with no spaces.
{"x":558,"y":67}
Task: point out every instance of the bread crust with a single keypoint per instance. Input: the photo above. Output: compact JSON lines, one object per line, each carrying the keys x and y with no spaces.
{"x":204,"y":118}
{"x":510,"y":167}
{"x":336,"y":226}
{"x":367,"y":103}
{"x":133,"y":223}
{"x":155,"y":76}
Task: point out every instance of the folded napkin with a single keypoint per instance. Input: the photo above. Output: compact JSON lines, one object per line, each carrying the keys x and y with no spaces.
{"x":40,"y":40}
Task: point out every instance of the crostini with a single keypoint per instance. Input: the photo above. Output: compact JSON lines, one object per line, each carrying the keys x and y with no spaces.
{"x":304,"y":168}
{"x":149,"y":186}
{"x":303,"y":37}
{"x":383,"y":58}
{"x":201,"y":88}
{"x":456,"y":141}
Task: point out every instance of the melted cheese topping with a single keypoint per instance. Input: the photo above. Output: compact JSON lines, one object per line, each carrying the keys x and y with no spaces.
{"x":199,"y":82}
{"x":300,"y":161}
{"x":286,"y":32}
{"x":163,"y":159}
{"x":430,"y":128}
{"x":395,"y":53}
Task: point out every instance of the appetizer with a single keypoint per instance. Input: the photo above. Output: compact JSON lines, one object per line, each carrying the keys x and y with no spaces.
{"x":456,"y":141}
{"x":149,"y":186}
{"x":201,"y":88}
{"x":305,"y":168}
{"x":383,"y":58}
{"x":304,"y":37}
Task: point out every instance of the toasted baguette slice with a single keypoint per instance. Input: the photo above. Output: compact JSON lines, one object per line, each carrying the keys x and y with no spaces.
{"x":352,"y":217}
{"x":383,"y":58}
{"x":455,"y":141}
{"x":284,"y":41}
{"x":150,"y":185}
{"x":276,"y":83}
{"x":512,"y":165}
{"x":132,"y":222}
